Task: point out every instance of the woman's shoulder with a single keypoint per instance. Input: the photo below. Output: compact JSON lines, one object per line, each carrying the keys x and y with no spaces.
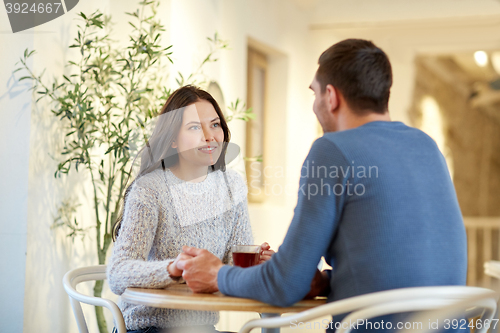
{"x":150,"y":182}
{"x":234,"y":176}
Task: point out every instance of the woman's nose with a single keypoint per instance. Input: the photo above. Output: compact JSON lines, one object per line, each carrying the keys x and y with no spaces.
{"x":207,"y":136}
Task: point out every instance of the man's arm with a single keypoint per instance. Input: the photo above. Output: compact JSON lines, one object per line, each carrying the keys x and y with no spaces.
{"x":286,"y":278}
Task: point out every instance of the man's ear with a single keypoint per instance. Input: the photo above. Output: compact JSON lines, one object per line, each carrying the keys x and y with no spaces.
{"x":332,"y":97}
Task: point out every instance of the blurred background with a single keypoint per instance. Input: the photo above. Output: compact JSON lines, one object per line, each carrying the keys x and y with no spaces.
{"x":445,"y":56}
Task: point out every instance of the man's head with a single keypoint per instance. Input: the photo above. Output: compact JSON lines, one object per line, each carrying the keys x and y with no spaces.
{"x":354,"y":72}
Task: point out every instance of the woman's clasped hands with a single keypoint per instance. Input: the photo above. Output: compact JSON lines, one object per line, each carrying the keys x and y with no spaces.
{"x":176,"y":267}
{"x":172,"y":268}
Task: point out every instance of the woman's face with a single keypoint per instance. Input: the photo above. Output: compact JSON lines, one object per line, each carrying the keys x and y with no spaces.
{"x":201,"y":137}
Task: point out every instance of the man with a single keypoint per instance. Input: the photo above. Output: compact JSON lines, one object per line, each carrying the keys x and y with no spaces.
{"x":375,"y":199}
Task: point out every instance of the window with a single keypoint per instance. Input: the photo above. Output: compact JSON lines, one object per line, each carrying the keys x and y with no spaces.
{"x":255,"y":134}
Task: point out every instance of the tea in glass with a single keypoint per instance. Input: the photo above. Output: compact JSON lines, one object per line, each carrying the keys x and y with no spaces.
{"x":246,"y":255}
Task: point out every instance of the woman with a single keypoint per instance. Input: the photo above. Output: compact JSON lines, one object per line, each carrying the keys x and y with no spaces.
{"x":183,"y":195}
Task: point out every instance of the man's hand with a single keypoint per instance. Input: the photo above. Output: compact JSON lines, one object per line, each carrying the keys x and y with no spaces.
{"x":266,"y":253}
{"x":319,"y":285}
{"x":172,"y":267}
{"x":200,"y":271}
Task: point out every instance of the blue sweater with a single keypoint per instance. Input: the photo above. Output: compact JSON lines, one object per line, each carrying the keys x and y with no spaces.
{"x":378,"y":202}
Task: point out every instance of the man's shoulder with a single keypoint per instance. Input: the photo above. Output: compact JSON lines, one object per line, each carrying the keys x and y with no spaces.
{"x":392,"y":133}
{"x":325,"y":151}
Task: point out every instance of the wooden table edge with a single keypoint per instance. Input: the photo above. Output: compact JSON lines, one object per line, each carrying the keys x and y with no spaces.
{"x":225,"y":303}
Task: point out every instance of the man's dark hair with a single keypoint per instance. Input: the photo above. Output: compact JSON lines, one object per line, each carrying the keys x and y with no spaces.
{"x":360,"y":71}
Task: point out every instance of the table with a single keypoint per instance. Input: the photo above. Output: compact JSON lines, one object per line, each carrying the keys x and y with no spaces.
{"x":179,"y":296}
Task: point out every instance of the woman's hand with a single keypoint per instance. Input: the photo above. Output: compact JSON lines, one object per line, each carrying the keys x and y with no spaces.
{"x":172,"y":267}
{"x":265,"y":252}
{"x":200,"y":272}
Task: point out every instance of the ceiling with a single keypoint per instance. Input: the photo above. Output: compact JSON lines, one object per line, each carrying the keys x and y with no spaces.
{"x":342,"y":11}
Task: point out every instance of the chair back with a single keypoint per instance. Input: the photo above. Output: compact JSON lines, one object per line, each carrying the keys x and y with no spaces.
{"x":90,"y":273}
{"x":380,"y":303}
{"x":454,"y":315}
{"x":441,"y":311}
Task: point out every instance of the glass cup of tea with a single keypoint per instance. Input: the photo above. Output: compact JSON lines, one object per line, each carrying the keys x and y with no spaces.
{"x":246,"y":255}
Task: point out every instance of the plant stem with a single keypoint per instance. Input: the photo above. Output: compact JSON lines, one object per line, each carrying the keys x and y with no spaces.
{"x":111,"y":180}
{"x":101,"y":258}
{"x":101,"y":320}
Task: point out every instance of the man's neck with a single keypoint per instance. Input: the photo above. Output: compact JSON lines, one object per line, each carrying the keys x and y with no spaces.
{"x":350,"y":120}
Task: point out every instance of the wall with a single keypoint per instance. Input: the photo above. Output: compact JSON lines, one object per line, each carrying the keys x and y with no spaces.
{"x":50,"y":254}
{"x":15,"y":112}
{"x":43,"y":255}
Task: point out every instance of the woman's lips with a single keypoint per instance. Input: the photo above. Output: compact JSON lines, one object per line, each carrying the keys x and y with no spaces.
{"x":207,"y":149}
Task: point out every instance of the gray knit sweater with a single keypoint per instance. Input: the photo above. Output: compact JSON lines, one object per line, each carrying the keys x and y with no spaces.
{"x":163,"y":213}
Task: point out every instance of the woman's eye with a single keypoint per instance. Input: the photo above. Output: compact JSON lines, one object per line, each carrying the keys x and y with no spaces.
{"x":194,"y":127}
{"x":216,"y":125}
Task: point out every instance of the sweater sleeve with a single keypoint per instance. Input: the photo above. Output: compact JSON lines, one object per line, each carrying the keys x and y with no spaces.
{"x":242,"y":230}
{"x":129,"y":265}
{"x":286,"y":278}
